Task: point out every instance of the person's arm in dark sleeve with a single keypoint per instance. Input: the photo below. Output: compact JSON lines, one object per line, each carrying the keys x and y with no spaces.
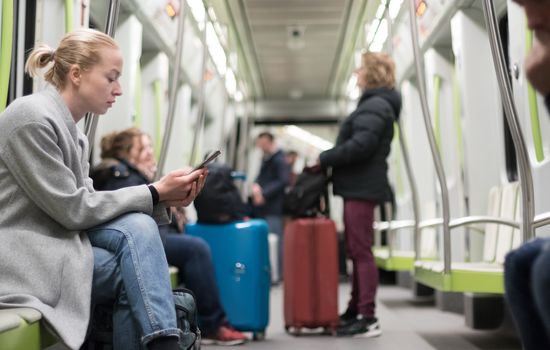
{"x":547,"y":102}
{"x":274,"y":187}
{"x":367,"y":131}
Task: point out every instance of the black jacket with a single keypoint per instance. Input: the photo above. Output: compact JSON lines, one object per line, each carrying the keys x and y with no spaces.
{"x":112,"y":174}
{"x":273,"y":179}
{"x":358,"y":160}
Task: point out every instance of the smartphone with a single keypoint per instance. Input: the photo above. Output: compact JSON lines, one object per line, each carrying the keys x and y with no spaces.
{"x":209,"y":158}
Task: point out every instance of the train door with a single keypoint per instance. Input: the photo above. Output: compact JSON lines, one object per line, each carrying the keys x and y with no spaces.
{"x":477,"y":110}
{"x":439,"y":78}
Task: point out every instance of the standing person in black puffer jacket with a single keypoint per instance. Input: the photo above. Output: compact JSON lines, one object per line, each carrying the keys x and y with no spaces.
{"x":359,"y":173}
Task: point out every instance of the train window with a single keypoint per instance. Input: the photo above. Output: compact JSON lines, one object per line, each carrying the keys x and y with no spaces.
{"x":509,"y":148}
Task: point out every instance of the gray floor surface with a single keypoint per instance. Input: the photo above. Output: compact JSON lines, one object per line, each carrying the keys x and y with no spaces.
{"x":406,"y":324}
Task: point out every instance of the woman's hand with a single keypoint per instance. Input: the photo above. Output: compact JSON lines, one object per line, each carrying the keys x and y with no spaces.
{"x":257,"y":195}
{"x":180,"y":187}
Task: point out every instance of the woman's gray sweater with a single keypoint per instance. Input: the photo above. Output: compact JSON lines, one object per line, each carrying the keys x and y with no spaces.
{"x":48,"y":202}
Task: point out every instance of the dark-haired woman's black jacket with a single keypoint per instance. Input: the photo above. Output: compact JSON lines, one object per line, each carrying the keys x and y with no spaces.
{"x":358,"y":160}
{"x":112,"y":174}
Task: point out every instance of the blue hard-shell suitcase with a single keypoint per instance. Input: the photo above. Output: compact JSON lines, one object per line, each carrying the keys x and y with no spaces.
{"x":241,"y":258}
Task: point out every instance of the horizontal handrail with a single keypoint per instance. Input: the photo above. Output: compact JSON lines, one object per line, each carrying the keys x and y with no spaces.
{"x":393,"y":225}
{"x":470,"y":220}
{"x":430,"y":223}
{"x":541,"y":220}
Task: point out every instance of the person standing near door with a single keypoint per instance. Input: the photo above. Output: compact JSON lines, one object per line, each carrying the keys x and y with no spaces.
{"x":359,"y":175}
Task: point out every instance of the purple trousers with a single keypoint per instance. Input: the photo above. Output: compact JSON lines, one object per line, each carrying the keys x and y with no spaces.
{"x":358,"y":219}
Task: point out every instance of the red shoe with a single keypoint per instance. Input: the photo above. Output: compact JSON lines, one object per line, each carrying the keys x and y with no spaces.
{"x":225,"y":336}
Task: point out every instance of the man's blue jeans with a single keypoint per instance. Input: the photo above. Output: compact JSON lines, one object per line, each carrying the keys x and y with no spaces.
{"x":276,"y":225}
{"x":131,"y":273}
{"x":527,"y":284}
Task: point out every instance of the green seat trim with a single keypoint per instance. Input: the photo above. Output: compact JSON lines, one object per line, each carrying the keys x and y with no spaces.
{"x":26,"y":336}
{"x":399,"y":261}
{"x":21,"y":329}
{"x":462,"y":280}
{"x":173,"y":276}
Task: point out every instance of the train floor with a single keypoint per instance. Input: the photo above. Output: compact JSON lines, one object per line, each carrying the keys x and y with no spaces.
{"x":407,"y":324}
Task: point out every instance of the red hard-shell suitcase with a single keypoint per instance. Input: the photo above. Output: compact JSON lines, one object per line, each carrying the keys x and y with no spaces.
{"x":310,"y":274}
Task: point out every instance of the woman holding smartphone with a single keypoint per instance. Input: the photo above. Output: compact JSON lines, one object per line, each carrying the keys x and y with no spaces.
{"x":66,"y":247}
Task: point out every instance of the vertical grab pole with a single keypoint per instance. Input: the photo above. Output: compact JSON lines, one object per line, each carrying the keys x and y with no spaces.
{"x":173,"y":93}
{"x":201,"y":101}
{"x":419,"y":65}
{"x":525,"y":176}
{"x":406,"y":159}
{"x":90,"y":120}
{"x":414,"y":189}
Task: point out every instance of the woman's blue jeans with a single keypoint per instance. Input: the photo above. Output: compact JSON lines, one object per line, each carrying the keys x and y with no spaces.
{"x":131,"y":273}
{"x":527,"y":284}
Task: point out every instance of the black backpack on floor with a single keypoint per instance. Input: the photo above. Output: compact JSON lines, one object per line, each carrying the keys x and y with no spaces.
{"x":101,"y":333}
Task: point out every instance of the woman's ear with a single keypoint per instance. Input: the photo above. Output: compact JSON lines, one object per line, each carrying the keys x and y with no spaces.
{"x":75,"y":74}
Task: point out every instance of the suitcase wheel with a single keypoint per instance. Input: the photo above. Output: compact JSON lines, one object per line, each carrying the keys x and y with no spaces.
{"x":258,"y":335}
{"x":295,"y":331}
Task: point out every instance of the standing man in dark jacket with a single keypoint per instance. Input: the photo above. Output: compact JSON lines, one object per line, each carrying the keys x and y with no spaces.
{"x":359,"y":172}
{"x":269,"y":188}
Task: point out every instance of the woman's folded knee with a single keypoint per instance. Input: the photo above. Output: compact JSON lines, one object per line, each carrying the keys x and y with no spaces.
{"x":140,"y":227}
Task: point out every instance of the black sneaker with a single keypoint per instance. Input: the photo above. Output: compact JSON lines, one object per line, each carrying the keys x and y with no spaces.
{"x":361,"y":327}
{"x":347,"y":317}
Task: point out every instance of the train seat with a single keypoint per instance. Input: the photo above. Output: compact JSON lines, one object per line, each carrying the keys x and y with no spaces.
{"x":389,"y":257}
{"x":173,"y":276}
{"x":485,"y":276}
{"x":392,"y":257}
{"x":400,"y":260}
